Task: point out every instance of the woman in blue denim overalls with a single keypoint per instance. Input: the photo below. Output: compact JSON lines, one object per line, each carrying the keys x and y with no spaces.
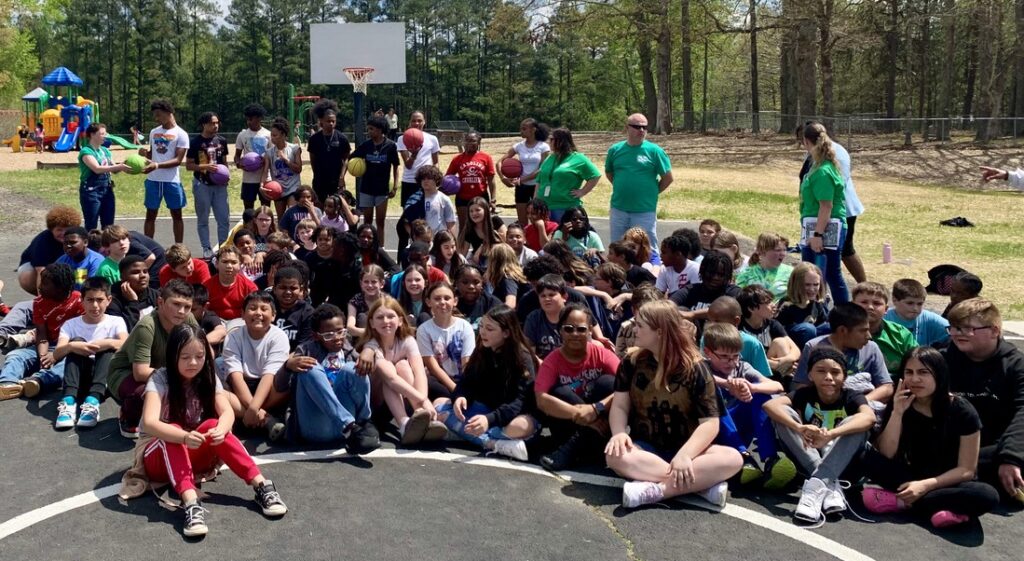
{"x":96,"y":190}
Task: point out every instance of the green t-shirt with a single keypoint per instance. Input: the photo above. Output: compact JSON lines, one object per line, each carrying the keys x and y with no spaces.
{"x":636,"y":171}
{"x":146,"y":344}
{"x":556,"y":180}
{"x":823,"y":183}
{"x":579,"y":246}
{"x":894,"y":340}
{"x":775,"y":281}
{"x":109,"y":270}
{"x":102,"y":155}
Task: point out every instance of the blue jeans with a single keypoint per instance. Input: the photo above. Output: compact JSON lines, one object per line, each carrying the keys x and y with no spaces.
{"x":97,"y":199}
{"x":211,"y":196}
{"x":325,"y":408}
{"x":801,"y":333}
{"x":743,"y":422}
{"x":18,"y":319}
{"x":21,"y":363}
{"x":619,"y":221}
{"x":830,"y":261}
{"x":458,"y":427}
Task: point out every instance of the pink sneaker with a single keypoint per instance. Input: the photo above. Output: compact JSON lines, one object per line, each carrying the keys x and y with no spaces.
{"x":881,"y":501}
{"x":945,"y":519}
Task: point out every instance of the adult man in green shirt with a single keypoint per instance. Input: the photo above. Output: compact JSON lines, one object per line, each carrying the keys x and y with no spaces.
{"x":145,"y":351}
{"x":639,"y":171}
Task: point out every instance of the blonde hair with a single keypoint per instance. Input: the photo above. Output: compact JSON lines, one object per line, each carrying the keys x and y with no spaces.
{"x":678,"y":354}
{"x":766,"y":242}
{"x":821,"y":145}
{"x":503,"y":264}
{"x":638,"y":236}
{"x":725,"y":239}
{"x":404,"y":329}
{"x":981,"y":308}
{"x":178,"y":254}
{"x":795,"y":290}
{"x":871,"y":288}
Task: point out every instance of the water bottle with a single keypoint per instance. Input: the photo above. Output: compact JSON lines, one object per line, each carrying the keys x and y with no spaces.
{"x":887,"y":252}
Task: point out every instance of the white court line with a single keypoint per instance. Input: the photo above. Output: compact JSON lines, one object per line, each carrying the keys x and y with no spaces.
{"x":806,"y":537}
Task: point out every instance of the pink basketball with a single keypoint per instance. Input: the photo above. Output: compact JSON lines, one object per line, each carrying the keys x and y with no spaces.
{"x":413,"y":139}
{"x":251,"y":161}
{"x":450,"y":185}
{"x":221,"y":175}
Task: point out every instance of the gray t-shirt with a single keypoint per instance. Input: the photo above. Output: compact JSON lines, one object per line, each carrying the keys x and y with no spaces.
{"x":193,"y":410}
{"x":254,"y":357}
{"x":868,"y":359}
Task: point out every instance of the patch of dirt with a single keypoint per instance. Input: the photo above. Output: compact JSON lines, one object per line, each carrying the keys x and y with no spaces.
{"x":24,"y":215}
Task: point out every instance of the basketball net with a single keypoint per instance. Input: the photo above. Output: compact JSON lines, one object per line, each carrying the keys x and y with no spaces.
{"x":359,"y":76}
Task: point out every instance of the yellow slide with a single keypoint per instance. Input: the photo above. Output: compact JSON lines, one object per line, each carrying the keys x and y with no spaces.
{"x":14,"y":142}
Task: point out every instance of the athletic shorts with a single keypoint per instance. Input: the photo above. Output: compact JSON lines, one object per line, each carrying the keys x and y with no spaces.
{"x":848,"y":249}
{"x":173,"y":194}
{"x":524,"y":193}
{"x":367,"y":201}
{"x":251,"y":192}
{"x":666,"y":455}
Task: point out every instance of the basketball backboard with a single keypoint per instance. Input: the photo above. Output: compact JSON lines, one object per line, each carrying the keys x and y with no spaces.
{"x":333,"y":46}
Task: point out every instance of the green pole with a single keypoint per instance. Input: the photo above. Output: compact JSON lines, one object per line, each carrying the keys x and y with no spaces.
{"x":291,"y":106}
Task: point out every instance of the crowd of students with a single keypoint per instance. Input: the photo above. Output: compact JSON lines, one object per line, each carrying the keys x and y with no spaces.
{"x":682,"y":369}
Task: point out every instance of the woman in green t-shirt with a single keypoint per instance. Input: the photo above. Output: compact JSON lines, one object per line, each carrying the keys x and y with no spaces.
{"x":823,"y":211}
{"x":566,"y":176}
{"x":96,"y":190}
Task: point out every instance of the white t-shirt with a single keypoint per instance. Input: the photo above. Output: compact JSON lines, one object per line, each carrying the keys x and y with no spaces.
{"x":110,"y":327}
{"x":448,"y":346}
{"x":670,"y":281}
{"x":254,"y":358}
{"x":530,"y":157}
{"x":279,"y":170}
{"x":163,"y":146}
{"x":392,"y":121}
{"x":526,"y":255}
{"x":423,"y":157}
{"x":253,"y":141}
{"x":193,"y":407}
{"x":440,"y":211}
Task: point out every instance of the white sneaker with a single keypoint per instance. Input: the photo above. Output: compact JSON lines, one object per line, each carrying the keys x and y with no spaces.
{"x":515,"y":449}
{"x":638,"y":493}
{"x":835,"y":500}
{"x":89,"y":415}
{"x":716,"y":494}
{"x":66,"y":413}
{"x":811,"y":498}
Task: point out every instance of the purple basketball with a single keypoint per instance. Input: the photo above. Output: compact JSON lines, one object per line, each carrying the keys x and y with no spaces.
{"x":221,"y":175}
{"x":251,"y":161}
{"x":450,"y":185}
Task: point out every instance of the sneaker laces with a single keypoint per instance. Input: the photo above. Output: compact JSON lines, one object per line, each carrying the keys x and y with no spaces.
{"x":843,"y":486}
{"x":64,"y":408}
{"x":270,"y":496}
{"x":191,"y":512}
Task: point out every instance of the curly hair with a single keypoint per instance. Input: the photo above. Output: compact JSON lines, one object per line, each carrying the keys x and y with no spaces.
{"x":62,"y":216}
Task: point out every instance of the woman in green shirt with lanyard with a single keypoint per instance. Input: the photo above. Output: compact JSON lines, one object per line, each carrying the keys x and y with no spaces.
{"x":96,"y":190}
{"x":566,"y":176}
{"x":823,"y":211}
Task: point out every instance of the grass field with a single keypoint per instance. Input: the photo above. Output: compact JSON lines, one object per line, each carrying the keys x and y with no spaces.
{"x":750,"y":199}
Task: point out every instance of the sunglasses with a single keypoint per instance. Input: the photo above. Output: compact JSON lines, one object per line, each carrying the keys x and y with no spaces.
{"x":638,"y":127}
{"x":578,"y":329}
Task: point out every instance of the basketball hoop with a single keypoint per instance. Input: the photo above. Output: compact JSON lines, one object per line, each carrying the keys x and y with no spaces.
{"x":358,"y":75}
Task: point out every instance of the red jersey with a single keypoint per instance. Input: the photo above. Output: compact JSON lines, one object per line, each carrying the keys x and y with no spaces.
{"x":226,"y":301}
{"x":200,"y":273}
{"x":52,"y":314}
{"x":533,"y":238}
{"x":474,"y":172}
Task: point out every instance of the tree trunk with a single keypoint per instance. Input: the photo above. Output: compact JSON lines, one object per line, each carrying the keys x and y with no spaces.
{"x":991,"y":70}
{"x":643,"y":47}
{"x":1018,"y":65}
{"x":806,"y":53}
{"x":686,"y":66}
{"x":825,"y":13}
{"x":755,"y":104}
{"x":948,"y":65}
{"x":923,"y":70}
{"x":971,"y":71}
{"x":787,"y":72}
{"x":664,"y":63}
{"x":892,"y":53}
{"x":704,"y":92}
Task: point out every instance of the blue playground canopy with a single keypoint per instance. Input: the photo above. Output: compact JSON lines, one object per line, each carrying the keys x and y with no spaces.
{"x":61,"y":76}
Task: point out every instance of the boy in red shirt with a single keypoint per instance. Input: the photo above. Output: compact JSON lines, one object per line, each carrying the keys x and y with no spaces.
{"x":540,"y":227}
{"x":228,"y":289}
{"x":57,"y":302}
{"x":476,"y":174}
{"x":181,"y":265}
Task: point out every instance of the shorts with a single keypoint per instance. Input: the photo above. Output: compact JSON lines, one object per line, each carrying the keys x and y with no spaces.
{"x":648,"y":447}
{"x":173,"y":194}
{"x":26,"y":268}
{"x":463,"y":203}
{"x":367,"y":201}
{"x":848,"y":249}
{"x":524,"y":193}
{"x":250,"y":192}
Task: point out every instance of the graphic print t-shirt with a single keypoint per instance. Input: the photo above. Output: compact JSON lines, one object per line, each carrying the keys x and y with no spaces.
{"x":204,"y":150}
{"x":164,"y":145}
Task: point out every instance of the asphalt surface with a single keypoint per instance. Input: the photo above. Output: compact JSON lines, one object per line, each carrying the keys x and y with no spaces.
{"x":403,"y":506}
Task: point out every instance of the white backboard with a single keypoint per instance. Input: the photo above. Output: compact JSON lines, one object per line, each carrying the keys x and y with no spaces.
{"x":333,"y":46}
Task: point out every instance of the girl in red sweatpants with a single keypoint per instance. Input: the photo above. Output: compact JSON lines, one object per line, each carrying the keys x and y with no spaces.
{"x":187,"y":413}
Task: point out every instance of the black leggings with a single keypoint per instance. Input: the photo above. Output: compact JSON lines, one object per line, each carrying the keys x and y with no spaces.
{"x":94,"y":371}
{"x":971,"y":498}
{"x":562,"y":429}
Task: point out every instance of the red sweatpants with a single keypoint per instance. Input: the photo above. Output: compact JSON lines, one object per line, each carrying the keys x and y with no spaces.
{"x":178,"y":464}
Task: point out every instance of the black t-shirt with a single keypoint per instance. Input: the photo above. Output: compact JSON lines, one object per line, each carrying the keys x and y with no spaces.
{"x":529,"y":302}
{"x":210,"y":322}
{"x":380,"y":159}
{"x":509,"y":287}
{"x":542,"y":334}
{"x":699,"y":296}
{"x":202,"y":150}
{"x":790,"y":314}
{"x":144,"y":246}
{"x":327,"y":154}
{"x":296,"y":323}
{"x":43,"y":250}
{"x":472,"y":312}
{"x":813,"y":411}
{"x":637,"y":275}
{"x":929,"y":446}
{"x":769,"y":331}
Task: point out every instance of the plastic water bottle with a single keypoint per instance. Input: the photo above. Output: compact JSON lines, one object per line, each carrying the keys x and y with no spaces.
{"x":887,"y":252}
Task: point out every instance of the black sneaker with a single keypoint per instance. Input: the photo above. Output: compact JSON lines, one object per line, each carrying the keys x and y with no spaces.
{"x":129,"y":430}
{"x":195,"y":520}
{"x":269,"y":499}
{"x":564,"y":456}
{"x":363,"y":439}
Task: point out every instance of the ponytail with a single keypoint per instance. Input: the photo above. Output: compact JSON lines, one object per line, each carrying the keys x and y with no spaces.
{"x":821,"y":149}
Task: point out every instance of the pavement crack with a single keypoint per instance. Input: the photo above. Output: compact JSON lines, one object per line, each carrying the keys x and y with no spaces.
{"x":628,"y":543}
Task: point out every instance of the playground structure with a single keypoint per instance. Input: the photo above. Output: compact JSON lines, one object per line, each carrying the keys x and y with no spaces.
{"x":63,"y":113}
{"x":304,"y":113}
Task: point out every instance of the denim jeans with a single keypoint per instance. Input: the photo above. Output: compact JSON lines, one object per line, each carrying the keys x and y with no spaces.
{"x":18,"y":319}
{"x":97,"y":199}
{"x":21,"y":363}
{"x":801,"y":333}
{"x":830,"y":261}
{"x":206,"y":197}
{"x":324,"y":408}
{"x":619,"y":221}
{"x":459,"y":427}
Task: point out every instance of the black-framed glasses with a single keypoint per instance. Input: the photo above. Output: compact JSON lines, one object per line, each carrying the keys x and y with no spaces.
{"x":578,"y":329}
{"x":968,"y":330}
{"x":638,"y":127}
